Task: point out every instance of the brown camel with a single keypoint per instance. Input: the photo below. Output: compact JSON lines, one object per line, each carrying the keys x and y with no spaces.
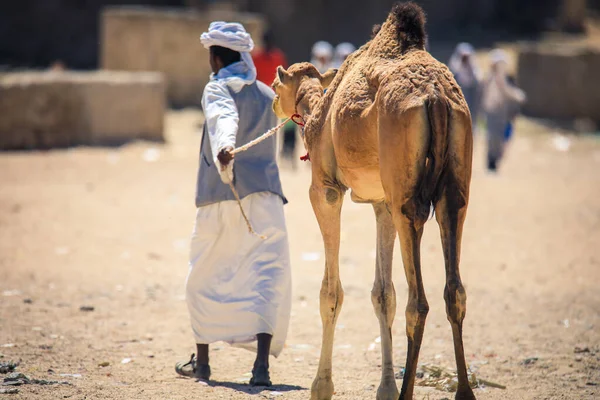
{"x":393,"y":126}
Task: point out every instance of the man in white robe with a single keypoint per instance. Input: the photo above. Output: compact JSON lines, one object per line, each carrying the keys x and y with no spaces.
{"x":322,"y":56}
{"x":463,"y":65}
{"x":500,"y":105}
{"x":238,"y":288}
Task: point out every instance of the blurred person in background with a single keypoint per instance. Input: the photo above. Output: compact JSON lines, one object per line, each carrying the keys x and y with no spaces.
{"x":342,"y":51}
{"x":501,"y":102}
{"x":268,"y":59}
{"x":322,"y":56}
{"x":238,"y":288}
{"x":463,"y":65}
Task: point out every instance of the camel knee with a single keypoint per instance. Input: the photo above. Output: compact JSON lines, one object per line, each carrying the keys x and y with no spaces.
{"x":331,"y":300}
{"x":384,"y":301}
{"x":456,"y":301}
{"x":416,"y":312}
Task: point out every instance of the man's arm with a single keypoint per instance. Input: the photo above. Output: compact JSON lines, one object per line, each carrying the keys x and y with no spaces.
{"x":221,"y":119}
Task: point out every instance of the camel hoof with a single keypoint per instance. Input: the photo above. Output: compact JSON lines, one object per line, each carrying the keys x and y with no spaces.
{"x":388,"y":391}
{"x":322,"y":389}
{"x":465,"y":394}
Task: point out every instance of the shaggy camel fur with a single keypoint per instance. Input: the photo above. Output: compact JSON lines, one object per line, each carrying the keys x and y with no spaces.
{"x":393,"y":127}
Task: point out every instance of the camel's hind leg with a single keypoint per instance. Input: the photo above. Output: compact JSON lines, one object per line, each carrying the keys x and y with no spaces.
{"x":404,"y":139}
{"x":327,"y":205}
{"x":450,"y":211}
{"x":383,"y":297}
{"x":410,"y":231}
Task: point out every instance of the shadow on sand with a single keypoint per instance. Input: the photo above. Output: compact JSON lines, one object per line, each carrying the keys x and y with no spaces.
{"x":245,"y":388}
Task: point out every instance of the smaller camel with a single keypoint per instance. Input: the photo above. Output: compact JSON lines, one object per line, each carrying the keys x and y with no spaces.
{"x":393,"y":127}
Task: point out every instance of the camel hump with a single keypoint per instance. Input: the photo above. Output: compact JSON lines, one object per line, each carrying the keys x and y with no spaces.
{"x":409,"y":19}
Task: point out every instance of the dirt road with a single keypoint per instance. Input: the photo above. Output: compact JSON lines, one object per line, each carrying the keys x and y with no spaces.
{"x":109,"y":228}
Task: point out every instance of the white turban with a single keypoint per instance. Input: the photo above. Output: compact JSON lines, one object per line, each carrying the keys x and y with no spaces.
{"x":468,"y":74}
{"x":343,"y":50}
{"x":232,"y":36}
{"x":498,"y":56}
{"x":322,"y":49}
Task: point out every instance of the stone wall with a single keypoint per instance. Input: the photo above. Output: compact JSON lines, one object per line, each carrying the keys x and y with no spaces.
{"x":561,"y":81}
{"x":57,"y":109}
{"x":165,"y":40}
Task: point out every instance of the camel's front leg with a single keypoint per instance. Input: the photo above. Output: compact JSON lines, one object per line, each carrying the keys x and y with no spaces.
{"x":383,"y":297}
{"x":327,"y":205}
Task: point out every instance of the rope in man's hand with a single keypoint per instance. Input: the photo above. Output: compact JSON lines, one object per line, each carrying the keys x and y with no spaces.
{"x":245,"y":147}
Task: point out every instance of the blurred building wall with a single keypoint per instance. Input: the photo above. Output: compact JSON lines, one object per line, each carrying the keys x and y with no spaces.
{"x":297,"y":24}
{"x":35,"y":33}
{"x":66,"y":108}
{"x":561,"y":81}
{"x":154,"y":39}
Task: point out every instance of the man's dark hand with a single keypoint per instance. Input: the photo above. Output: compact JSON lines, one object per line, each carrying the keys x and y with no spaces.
{"x":225,"y":156}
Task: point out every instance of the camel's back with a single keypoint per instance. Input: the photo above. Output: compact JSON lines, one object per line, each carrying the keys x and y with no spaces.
{"x":410,"y":80}
{"x":398,"y":84}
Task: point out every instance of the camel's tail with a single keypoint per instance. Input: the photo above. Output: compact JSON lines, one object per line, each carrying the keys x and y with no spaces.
{"x":409,"y":19}
{"x":438,"y":113}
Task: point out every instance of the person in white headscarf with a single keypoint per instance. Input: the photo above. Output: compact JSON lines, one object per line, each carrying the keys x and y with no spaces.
{"x":500,"y":105}
{"x":238,"y":288}
{"x":342,"y":51}
{"x":463,"y":65}
{"x":322,"y":56}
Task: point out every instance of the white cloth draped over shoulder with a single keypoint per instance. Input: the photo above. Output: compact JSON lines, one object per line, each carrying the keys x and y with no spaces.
{"x":220,"y":112}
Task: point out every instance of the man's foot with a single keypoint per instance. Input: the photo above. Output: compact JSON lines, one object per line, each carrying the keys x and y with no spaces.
{"x":202,"y":372}
{"x":260,"y":377}
{"x":191,"y":369}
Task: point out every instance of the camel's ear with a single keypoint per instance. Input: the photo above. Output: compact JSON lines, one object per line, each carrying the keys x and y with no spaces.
{"x":327,"y":77}
{"x":283,"y":75}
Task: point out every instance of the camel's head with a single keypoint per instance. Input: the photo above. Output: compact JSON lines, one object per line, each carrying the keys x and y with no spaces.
{"x":287,"y":83}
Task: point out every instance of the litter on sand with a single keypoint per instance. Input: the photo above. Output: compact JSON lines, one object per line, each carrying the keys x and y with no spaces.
{"x":311,"y":256}
{"x":561,"y":142}
{"x":446,"y":381}
{"x":151,"y":155}
{"x":18,"y":379}
{"x":8,"y":367}
{"x":529,"y":361}
{"x":126,"y":361}
{"x":71,"y":375}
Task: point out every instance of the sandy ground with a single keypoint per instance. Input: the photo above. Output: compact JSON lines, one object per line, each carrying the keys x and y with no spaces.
{"x":109,"y":228}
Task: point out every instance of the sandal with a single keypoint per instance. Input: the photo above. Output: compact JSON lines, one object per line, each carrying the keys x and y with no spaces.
{"x":260,"y":377}
{"x":192,"y":370}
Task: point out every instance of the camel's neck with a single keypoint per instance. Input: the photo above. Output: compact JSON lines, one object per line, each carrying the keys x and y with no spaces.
{"x":309,"y":94}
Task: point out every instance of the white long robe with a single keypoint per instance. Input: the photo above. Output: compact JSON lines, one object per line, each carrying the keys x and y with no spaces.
{"x":238,"y":284}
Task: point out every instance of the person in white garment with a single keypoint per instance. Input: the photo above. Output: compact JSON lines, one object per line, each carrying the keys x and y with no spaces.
{"x":501,"y":103}
{"x":238,"y":288}
{"x":322,"y":56}
{"x":467,"y":73}
{"x":342,"y":51}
